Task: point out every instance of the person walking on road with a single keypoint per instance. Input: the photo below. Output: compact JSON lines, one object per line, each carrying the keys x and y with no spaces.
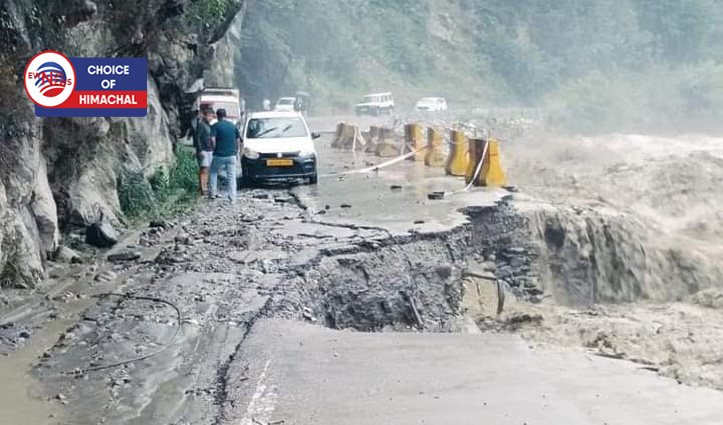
{"x":225,"y":139}
{"x":204,"y":150}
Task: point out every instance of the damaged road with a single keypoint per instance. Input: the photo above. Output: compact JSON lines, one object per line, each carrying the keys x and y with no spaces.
{"x":316,"y":305}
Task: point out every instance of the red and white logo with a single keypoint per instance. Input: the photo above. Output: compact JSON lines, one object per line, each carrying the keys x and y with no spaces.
{"x":49,"y":79}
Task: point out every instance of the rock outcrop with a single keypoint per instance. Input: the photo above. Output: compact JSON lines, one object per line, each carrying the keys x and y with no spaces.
{"x":60,"y":173}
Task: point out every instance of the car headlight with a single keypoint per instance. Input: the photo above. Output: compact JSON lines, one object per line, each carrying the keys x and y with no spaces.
{"x":307,"y":154}
{"x":251,"y":154}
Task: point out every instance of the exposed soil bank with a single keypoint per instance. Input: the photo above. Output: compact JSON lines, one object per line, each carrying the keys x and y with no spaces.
{"x":633,"y":223}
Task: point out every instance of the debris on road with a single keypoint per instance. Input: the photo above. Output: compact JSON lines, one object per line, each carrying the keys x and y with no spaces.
{"x":226,"y":268}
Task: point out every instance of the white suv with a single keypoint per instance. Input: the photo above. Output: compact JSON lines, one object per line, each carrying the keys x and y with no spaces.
{"x":376,"y":104}
{"x":278,"y":146}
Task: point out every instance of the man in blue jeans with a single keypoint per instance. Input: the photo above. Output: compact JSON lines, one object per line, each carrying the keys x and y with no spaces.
{"x":225,"y":140}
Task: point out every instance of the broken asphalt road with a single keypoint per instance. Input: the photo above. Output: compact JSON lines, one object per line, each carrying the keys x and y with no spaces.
{"x":244,"y":280}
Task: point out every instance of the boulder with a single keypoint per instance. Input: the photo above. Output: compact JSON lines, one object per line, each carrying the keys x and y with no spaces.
{"x":124,"y":256}
{"x":66,"y":255}
{"x":101,"y":234}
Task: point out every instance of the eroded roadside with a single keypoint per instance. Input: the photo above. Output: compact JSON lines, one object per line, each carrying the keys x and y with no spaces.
{"x":224,"y":269}
{"x":292,"y":254}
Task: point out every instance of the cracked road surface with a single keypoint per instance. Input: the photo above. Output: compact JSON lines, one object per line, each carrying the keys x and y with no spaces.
{"x":273,"y":295}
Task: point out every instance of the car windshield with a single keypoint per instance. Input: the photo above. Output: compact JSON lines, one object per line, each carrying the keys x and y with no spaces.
{"x":428,"y":100}
{"x":271,"y":128}
{"x":372,"y":99}
{"x":286,"y":101}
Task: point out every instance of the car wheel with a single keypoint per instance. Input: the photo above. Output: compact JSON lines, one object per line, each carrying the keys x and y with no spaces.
{"x":314,"y":179}
{"x":246,"y":180}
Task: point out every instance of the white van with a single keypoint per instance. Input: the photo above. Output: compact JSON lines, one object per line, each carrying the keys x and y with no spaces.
{"x":220,"y":98}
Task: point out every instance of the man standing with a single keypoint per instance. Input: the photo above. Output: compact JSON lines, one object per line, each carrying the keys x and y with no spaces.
{"x":204,"y":150}
{"x":225,"y":140}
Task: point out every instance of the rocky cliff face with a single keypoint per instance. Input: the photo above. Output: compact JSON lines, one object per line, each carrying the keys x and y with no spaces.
{"x":57,"y":174}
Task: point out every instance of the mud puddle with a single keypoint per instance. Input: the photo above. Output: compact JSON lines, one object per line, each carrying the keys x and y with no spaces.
{"x":23,"y":401}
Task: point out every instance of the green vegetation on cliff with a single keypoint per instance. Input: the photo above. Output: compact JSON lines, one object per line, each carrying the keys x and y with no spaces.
{"x":164,"y":194}
{"x":593,"y":65}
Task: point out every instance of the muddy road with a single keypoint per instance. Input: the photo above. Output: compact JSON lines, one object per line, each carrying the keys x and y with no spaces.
{"x":311,"y":305}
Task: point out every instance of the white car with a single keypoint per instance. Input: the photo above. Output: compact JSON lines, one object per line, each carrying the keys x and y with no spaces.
{"x":278,"y":146}
{"x":285,"y":104}
{"x":376,"y":104}
{"x":431,"y":104}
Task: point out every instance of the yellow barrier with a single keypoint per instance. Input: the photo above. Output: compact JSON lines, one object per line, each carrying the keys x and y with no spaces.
{"x":458,"y":160}
{"x":375,"y":135}
{"x":413,"y":139}
{"x":476,"y":149}
{"x":349,"y":137}
{"x":388,"y":146}
{"x":492,"y":174}
{"x":434,"y":156}
{"x":342,"y":134}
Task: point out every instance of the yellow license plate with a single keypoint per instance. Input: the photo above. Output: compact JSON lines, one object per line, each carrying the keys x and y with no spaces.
{"x":279,"y":162}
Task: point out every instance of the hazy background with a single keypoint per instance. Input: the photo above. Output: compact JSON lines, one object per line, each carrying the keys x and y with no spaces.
{"x":592,"y":65}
